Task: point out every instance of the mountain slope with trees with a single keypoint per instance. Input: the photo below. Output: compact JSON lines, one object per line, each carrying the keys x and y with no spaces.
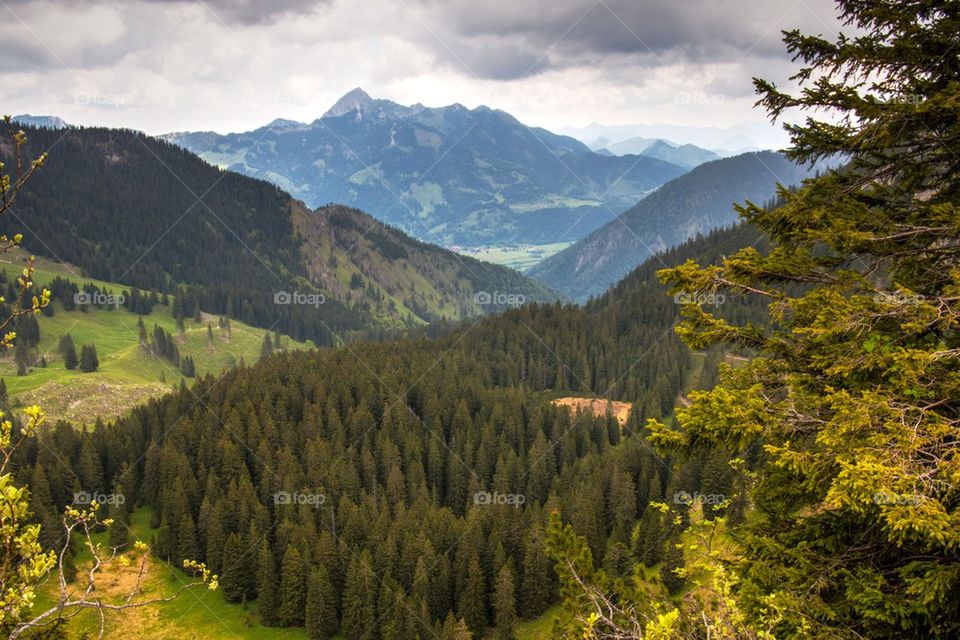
{"x":394,"y":464}
{"x":130,"y":209}
{"x":372,"y":266}
{"x":143,"y":346}
{"x":697,"y":202}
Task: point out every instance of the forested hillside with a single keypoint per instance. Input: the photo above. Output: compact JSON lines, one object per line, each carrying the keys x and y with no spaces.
{"x":754,"y":434}
{"x":415,"y":478}
{"x":130,"y":209}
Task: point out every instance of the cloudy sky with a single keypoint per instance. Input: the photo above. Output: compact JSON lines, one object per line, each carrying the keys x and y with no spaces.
{"x":162,"y":65}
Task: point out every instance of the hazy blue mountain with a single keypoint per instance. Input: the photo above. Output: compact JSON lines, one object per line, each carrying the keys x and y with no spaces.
{"x":743,"y":136}
{"x":449,"y":175}
{"x":50,"y":122}
{"x":635,"y":145}
{"x":687,"y":156}
{"x":695,"y":203}
{"x":600,"y":144}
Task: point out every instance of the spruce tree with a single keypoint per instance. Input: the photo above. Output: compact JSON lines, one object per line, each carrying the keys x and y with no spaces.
{"x":454,"y":629}
{"x":22,"y":356}
{"x":359,"y":598}
{"x":119,"y":530}
{"x":187,"y":366}
{"x":188,"y":546}
{"x":235,"y":579}
{"x":321,"y":608}
{"x":504,"y":603}
{"x":268,"y":586}
{"x":672,"y":560}
{"x":293,"y":589}
{"x":535,"y":584}
{"x":88,"y":358}
{"x":70,"y":359}
{"x":472,"y":603}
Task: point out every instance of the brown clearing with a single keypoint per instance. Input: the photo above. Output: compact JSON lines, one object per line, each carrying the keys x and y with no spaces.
{"x":600,"y":407}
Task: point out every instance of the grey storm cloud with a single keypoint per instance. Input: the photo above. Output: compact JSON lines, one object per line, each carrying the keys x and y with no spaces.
{"x":248,"y":12}
{"x":253,"y":11}
{"x":511,"y":39}
{"x":504,"y":34}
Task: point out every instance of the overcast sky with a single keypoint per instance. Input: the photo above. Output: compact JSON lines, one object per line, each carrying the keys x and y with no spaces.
{"x":161,"y":65}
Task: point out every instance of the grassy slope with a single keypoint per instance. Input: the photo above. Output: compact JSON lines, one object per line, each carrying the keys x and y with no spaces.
{"x":127,"y":375}
{"x":196,"y":613}
{"x":538,"y":628}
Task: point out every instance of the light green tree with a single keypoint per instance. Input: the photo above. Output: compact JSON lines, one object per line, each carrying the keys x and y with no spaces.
{"x":853,"y":402}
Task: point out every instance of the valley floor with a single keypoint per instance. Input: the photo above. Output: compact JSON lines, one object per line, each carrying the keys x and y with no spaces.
{"x":520,"y":257}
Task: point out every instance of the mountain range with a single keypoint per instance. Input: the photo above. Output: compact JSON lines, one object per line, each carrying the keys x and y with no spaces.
{"x":695,"y":203}
{"x":725,"y":141}
{"x":447,"y":175}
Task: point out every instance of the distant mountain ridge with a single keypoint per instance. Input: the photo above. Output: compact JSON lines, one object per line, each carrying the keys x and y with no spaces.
{"x":725,"y":141}
{"x":49,"y":122}
{"x":367,"y":264}
{"x":695,"y":203}
{"x":447,"y":175}
{"x":684,"y":155}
